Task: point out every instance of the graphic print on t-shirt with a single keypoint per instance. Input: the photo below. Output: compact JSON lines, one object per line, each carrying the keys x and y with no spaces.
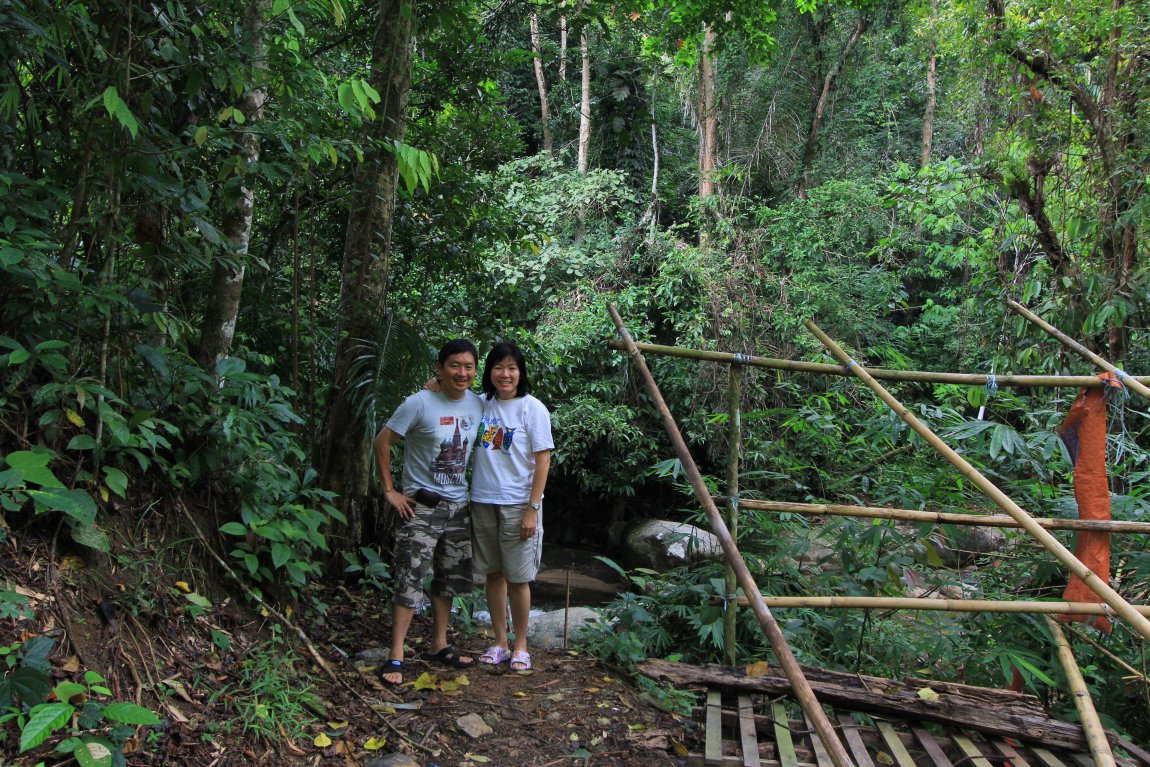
{"x":494,"y":436}
{"x":450,"y":463}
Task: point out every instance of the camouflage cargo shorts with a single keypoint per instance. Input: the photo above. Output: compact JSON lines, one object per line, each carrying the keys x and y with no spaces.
{"x":438,"y":539}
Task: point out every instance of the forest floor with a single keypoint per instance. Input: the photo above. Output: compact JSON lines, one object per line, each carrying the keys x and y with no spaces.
{"x":230,"y":694}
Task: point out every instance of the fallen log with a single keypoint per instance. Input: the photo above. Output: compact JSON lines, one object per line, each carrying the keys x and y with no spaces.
{"x":997,"y":712}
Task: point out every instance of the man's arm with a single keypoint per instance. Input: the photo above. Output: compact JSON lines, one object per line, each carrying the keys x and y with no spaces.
{"x":383,"y":442}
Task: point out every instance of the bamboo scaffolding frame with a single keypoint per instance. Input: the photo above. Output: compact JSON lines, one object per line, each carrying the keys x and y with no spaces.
{"x":1128,"y":381}
{"x":1028,"y":607}
{"x":734,"y":447}
{"x":942,"y":517}
{"x":799,"y":684}
{"x":1111,"y":597}
{"x":919,"y":376}
{"x":1088,"y":717}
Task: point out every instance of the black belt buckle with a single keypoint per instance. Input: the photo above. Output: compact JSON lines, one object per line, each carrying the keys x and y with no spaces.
{"x":428,"y":498}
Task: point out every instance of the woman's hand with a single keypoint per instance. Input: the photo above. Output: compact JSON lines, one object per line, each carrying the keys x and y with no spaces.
{"x":432,"y":384}
{"x":529,"y":525}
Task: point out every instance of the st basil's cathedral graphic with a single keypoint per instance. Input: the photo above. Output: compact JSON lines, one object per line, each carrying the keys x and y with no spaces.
{"x":448,"y":467}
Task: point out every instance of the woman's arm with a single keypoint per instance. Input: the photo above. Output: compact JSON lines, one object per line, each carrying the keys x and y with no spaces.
{"x":530,"y":521}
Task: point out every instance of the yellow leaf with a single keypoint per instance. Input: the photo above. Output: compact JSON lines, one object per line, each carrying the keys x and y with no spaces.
{"x":928,"y":694}
{"x":73,"y":416}
{"x":183,"y":587}
{"x":591,"y":690}
{"x":336,"y":725}
{"x":374,"y":744}
{"x":519,"y":694}
{"x":321,"y":740}
{"x":425,"y":682}
{"x":885,"y":759}
{"x":104,"y":494}
{"x":680,"y":749}
{"x":574,"y":736}
{"x":201,"y":135}
{"x":477,"y":758}
{"x":758,"y":668}
{"x":383,"y":709}
{"x":634,"y":727}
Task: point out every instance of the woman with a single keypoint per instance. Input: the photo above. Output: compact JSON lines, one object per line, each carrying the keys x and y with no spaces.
{"x":511,"y":461}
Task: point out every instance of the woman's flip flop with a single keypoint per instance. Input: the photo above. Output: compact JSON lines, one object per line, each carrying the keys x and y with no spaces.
{"x":494,"y":655}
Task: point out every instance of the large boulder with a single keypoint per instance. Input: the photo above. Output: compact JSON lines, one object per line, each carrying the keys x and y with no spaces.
{"x":966,"y":545}
{"x":546,"y":630}
{"x":660,"y":544}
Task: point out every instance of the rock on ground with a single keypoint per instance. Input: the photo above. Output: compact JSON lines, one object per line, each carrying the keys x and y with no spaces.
{"x":547,"y":630}
{"x":660,"y":544}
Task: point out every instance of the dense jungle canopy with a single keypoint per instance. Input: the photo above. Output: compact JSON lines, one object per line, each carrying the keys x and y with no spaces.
{"x":232,"y":235}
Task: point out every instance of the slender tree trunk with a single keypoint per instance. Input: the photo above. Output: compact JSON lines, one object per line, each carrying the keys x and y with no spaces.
{"x":931,"y":96}
{"x":821,"y":105}
{"x":219,"y":325}
{"x":563,"y":40}
{"x":544,"y":110}
{"x":705,"y":108}
{"x":345,"y":452}
{"x":584,"y":122}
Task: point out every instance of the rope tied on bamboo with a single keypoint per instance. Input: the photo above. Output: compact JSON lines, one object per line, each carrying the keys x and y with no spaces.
{"x":991,"y":384}
{"x":850,"y":363}
{"x":733,"y":500}
{"x":741,"y":359}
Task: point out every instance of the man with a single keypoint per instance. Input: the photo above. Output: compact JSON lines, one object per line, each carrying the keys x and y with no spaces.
{"x":438,"y":429}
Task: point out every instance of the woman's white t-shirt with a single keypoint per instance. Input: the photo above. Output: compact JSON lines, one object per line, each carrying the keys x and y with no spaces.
{"x":511,"y":432}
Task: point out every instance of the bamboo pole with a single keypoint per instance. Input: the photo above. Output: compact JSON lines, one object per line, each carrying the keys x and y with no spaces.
{"x":734,"y":447}
{"x":942,"y":517}
{"x":919,"y":376}
{"x":1088,"y":717}
{"x":1127,"y":380}
{"x":1031,"y":607}
{"x":1052,"y":544}
{"x":794,"y":673}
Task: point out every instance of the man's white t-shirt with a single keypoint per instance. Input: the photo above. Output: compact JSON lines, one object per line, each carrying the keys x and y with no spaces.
{"x":438,"y":433}
{"x":511,"y":432}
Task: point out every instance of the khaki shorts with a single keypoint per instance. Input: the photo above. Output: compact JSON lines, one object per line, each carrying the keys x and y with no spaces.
{"x":496,"y":543}
{"x":438,"y":538}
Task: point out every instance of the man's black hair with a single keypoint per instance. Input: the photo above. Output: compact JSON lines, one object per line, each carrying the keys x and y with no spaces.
{"x":498,"y":353}
{"x":458,"y":346}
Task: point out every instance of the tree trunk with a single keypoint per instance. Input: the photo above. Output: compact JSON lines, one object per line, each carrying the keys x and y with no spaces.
{"x":584,"y":122}
{"x":345,"y":453}
{"x":563,"y":40}
{"x":544,"y":110}
{"x":219,"y":325}
{"x":931,"y":96}
{"x":821,"y":105}
{"x":706,"y":110}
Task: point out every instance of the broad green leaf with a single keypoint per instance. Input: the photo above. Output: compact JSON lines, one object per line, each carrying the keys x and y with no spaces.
{"x":33,"y":465}
{"x":94,"y":752}
{"x":119,"y":109}
{"x":281,"y":553}
{"x":65,"y":691}
{"x":201,"y":135}
{"x":230,"y":366}
{"x":346,"y":96}
{"x":82,"y":442}
{"x":233,"y":528}
{"x":31,"y":685}
{"x":129,"y":713}
{"x":77,"y":504}
{"x":43,"y":720}
{"x":116,"y":480}
{"x":92,"y":537}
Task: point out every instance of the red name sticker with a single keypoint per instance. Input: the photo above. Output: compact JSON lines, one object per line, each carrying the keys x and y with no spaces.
{"x":446,"y":420}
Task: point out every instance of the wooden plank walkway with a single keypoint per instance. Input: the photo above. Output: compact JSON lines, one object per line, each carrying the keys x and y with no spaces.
{"x":746,"y":730}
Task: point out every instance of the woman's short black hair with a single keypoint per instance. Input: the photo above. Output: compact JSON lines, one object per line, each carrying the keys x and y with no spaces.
{"x":498,"y":353}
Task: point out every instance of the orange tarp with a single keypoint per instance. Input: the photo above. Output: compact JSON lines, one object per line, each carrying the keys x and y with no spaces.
{"x":1084,"y":433}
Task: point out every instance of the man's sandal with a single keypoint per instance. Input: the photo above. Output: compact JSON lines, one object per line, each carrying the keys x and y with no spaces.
{"x":448,"y":656}
{"x":494,"y":655}
{"x":520,"y":661}
{"x":389,"y":668}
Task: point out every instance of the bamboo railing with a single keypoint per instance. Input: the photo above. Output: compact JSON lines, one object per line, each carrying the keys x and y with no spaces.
{"x":1087,"y":714}
{"x":1029,"y":607}
{"x":919,"y":376}
{"x":943,"y":517}
{"x":1108,"y":595}
{"x":1129,"y":381}
{"x":799,"y":684}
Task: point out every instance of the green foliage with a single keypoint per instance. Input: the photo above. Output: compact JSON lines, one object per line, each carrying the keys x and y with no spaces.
{"x":93,"y":731}
{"x":267,"y":700}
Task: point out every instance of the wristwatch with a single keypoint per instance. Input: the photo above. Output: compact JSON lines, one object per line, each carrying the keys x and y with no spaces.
{"x":536,"y":506}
